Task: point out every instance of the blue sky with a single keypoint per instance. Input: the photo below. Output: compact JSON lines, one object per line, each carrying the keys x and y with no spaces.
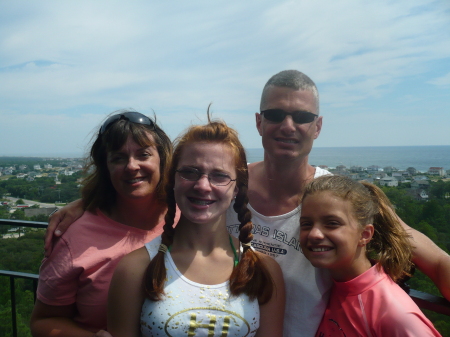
{"x":382,"y":67}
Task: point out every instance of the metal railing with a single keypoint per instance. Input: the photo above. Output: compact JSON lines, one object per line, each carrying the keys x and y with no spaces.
{"x":423,"y":300}
{"x":13,"y":275}
{"x":23,"y":223}
{"x":430,"y":302}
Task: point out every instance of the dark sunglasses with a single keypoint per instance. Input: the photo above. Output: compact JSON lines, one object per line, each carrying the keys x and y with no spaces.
{"x":131,"y":116}
{"x":278,"y":115}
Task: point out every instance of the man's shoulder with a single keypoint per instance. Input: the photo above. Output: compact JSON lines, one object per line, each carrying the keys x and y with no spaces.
{"x":321,"y":172}
{"x":256,"y":175}
{"x":254,"y":168}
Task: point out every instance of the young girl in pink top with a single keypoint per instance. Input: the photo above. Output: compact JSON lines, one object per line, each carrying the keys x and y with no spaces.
{"x":351,"y":229}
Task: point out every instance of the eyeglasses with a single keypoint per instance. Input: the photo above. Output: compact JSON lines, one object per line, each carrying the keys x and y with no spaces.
{"x":278,"y":115}
{"x":132,"y":116}
{"x":215,"y":178}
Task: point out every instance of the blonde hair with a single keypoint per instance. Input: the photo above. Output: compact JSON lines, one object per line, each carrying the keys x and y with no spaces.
{"x":390,"y":245}
{"x":250,"y":276}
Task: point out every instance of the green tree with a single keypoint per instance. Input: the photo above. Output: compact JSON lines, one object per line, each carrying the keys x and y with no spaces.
{"x":40,"y":218}
{"x":4,"y":212}
{"x":437,"y":189}
{"x":19,"y":214}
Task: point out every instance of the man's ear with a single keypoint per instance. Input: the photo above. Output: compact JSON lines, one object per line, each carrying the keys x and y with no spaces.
{"x":366,"y":235}
{"x":318,"y":126}
{"x":258,"y":122}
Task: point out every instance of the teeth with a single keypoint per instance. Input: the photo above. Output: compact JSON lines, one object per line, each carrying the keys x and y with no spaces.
{"x":132,"y":181}
{"x":201,"y":202}
{"x":320,"y":249}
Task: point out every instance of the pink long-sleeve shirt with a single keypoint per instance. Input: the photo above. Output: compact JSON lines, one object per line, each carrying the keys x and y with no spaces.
{"x":373,"y":305}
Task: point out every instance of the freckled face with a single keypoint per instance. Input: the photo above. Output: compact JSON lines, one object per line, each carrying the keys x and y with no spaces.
{"x":288,"y":140}
{"x":331,"y":237}
{"x":134,"y":170}
{"x":200,"y":201}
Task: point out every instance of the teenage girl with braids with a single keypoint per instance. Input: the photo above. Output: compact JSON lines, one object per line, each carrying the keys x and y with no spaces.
{"x":198,"y":280}
{"x":351,"y":229}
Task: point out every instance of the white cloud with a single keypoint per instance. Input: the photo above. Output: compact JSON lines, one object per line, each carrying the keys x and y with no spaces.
{"x":95,"y":57}
{"x":441,"y":81}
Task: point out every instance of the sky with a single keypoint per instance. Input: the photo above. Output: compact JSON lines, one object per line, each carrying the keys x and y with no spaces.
{"x":382,"y":67}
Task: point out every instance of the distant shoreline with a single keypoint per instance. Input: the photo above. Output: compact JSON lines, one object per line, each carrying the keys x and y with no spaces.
{"x":401,"y":157}
{"x":80,"y":155}
{"x":54,"y":155}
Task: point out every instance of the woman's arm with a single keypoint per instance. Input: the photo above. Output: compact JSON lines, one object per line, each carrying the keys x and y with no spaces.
{"x":52,"y":320}
{"x":60,"y":221}
{"x":430,"y":259}
{"x":272,"y":313}
{"x":55,"y":307}
{"x":126,"y":295}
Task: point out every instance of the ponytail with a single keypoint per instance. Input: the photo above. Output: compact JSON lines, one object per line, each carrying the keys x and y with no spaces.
{"x":155,"y":274}
{"x":390,"y":244}
{"x":251,"y":276}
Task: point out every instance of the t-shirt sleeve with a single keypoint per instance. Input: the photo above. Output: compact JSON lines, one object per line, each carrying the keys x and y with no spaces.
{"x":407,"y":324}
{"x":58,"y":278}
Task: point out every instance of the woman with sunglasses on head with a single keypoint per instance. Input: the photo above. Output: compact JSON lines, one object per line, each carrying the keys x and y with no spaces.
{"x":351,"y":229}
{"x":197,"y":280}
{"x":123,"y":197}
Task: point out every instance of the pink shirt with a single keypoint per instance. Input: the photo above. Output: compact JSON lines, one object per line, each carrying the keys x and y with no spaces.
{"x":82,"y":263}
{"x":373,"y":305}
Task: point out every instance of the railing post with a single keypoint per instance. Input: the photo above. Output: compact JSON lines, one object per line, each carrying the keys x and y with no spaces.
{"x":13,"y":305}
{"x":35,"y":283}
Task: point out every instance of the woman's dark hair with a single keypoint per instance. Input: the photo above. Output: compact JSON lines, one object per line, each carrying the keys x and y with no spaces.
{"x":97,"y":190}
{"x":390,"y":245}
{"x":251,"y":275}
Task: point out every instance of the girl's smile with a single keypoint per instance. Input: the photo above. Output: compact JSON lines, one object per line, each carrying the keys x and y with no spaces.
{"x":200,"y":201}
{"x":331,"y":236}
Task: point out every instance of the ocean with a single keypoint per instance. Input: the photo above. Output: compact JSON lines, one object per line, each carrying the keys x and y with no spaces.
{"x":400,"y":157}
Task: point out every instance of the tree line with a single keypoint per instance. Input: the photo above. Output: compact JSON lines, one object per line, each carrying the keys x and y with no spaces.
{"x":43,"y":189}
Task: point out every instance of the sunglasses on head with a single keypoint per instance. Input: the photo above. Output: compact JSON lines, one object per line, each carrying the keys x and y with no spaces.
{"x":131,"y":116}
{"x":278,"y":115}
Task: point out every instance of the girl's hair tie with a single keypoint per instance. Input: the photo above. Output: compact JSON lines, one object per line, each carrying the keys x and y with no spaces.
{"x":162,"y":248}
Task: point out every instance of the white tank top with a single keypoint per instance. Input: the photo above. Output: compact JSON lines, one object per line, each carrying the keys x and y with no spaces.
{"x":193,"y":309}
